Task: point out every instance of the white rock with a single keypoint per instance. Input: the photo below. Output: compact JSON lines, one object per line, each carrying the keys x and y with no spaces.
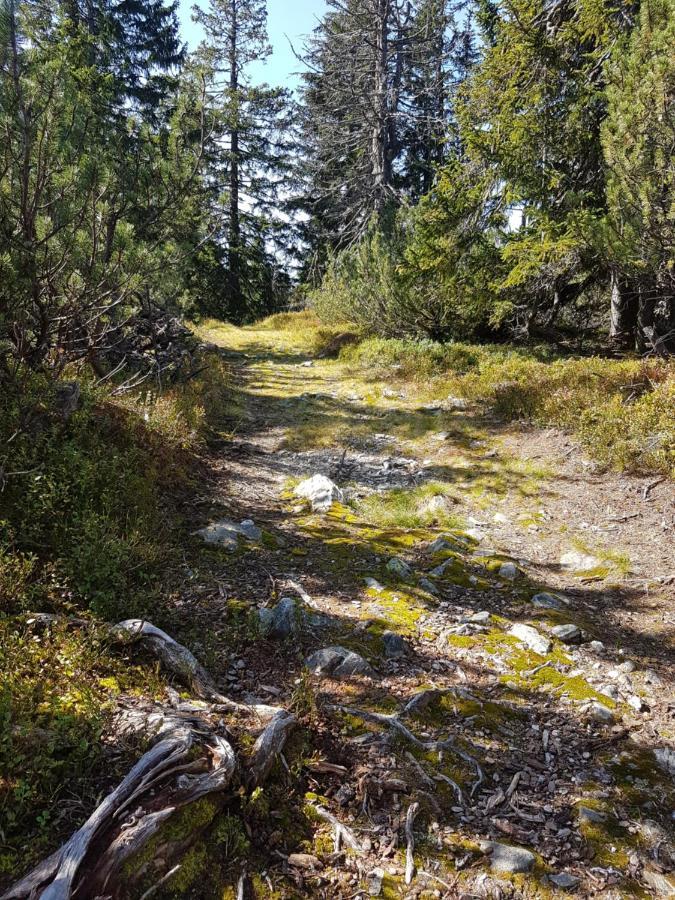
{"x":226,"y":533}
{"x":531,"y":638}
{"x":636,"y":702}
{"x":574,"y":561}
{"x":665,"y":757}
{"x":320,"y":491}
{"x":374,"y":585}
{"x":600,"y":713}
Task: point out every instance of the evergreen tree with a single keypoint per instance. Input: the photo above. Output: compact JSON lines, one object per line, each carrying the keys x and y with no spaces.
{"x":639,"y":144}
{"x":248,"y":153}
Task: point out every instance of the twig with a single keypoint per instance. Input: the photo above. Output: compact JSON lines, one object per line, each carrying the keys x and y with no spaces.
{"x":346,"y":834}
{"x":537,"y":668}
{"x":413,"y":809}
{"x":648,"y":488}
{"x":155,"y":887}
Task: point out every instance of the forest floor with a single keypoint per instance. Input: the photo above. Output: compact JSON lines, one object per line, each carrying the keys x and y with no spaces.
{"x":532,"y":765}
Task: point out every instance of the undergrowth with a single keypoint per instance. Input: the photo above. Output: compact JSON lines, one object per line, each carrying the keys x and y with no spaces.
{"x":621,"y":410}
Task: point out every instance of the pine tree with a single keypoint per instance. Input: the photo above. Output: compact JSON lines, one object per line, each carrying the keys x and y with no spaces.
{"x":248,"y":154}
{"x":639,"y":144}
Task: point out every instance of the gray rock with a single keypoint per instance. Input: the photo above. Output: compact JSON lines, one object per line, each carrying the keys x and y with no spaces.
{"x":597,"y":646}
{"x":265,"y":620}
{"x":609,"y":690}
{"x":439,"y":571}
{"x":531,"y":638}
{"x":375,"y":881}
{"x":399,"y":568}
{"x":320,"y":491}
{"x":665,"y":757}
{"x":600,"y":713}
{"x":286,"y":618}
{"x":226,"y":533}
{"x":338,"y":662}
{"x":627,"y":667}
{"x":394,"y":645}
{"x":507,"y":859}
{"x":586,"y":814}
{"x":568,"y":634}
{"x":479,"y":618}
{"x":456,"y":403}
{"x":508,"y":570}
{"x":427,"y":586}
{"x":564,"y":880}
{"x":544,"y":600}
{"x":250,"y":530}
{"x":662,"y":885}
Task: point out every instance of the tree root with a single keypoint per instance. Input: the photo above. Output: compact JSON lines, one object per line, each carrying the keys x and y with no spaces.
{"x":191,"y":759}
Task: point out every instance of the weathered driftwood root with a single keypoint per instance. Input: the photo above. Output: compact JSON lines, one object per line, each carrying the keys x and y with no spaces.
{"x":191,"y":759}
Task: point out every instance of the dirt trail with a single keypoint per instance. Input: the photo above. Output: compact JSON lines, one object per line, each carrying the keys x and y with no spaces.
{"x":519,"y":736}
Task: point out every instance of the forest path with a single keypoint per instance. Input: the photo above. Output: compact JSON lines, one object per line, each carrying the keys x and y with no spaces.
{"x":536,"y":731}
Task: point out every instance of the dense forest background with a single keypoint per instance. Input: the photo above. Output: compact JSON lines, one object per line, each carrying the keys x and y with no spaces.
{"x":448,"y":169}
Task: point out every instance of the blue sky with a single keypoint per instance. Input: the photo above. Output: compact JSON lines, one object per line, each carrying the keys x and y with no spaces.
{"x":292,"y":18}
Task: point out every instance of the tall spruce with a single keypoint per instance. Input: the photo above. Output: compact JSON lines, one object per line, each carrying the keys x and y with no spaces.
{"x":249,"y":153}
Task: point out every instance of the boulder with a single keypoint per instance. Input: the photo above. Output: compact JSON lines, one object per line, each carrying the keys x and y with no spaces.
{"x":545,"y":600}
{"x":439,"y":544}
{"x":338,"y":662}
{"x":594,"y":816}
{"x":320,"y":491}
{"x":427,"y":586}
{"x":568,"y":634}
{"x":531,"y":638}
{"x":506,"y":859}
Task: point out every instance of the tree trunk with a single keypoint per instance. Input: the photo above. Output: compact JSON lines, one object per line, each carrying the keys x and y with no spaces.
{"x":234,"y":236}
{"x":381,"y":163}
{"x":623,"y":312}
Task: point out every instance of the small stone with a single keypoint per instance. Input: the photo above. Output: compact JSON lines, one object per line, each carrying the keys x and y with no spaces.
{"x":507,"y":859}
{"x":286,"y":616}
{"x":304,"y":861}
{"x":500,"y":518}
{"x":375,"y":881}
{"x":399,"y":568}
{"x":374,"y":585}
{"x":574,"y":561}
{"x":568,"y":634}
{"x":307,"y":364}
{"x":531,"y":638}
{"x":600,"y":713}
{"x":609,"y":690}
{"x":439,"y":544}
{"x":627,"y":667}
{"x":508,"y":570}
{"x":564,"y":880}
{"x":394,"y":645}
{"x":636,"y":703}
{"x":438,"y":505}
{"x":586,"y":814}
{"x":338,"y":662}
{"x":663,"y":885}
{"x":223,"y":533}
{"x":544,"y":600}
{"x":320,"y":491}
{"x":480,"y":618}
{"x":597,"y":646}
